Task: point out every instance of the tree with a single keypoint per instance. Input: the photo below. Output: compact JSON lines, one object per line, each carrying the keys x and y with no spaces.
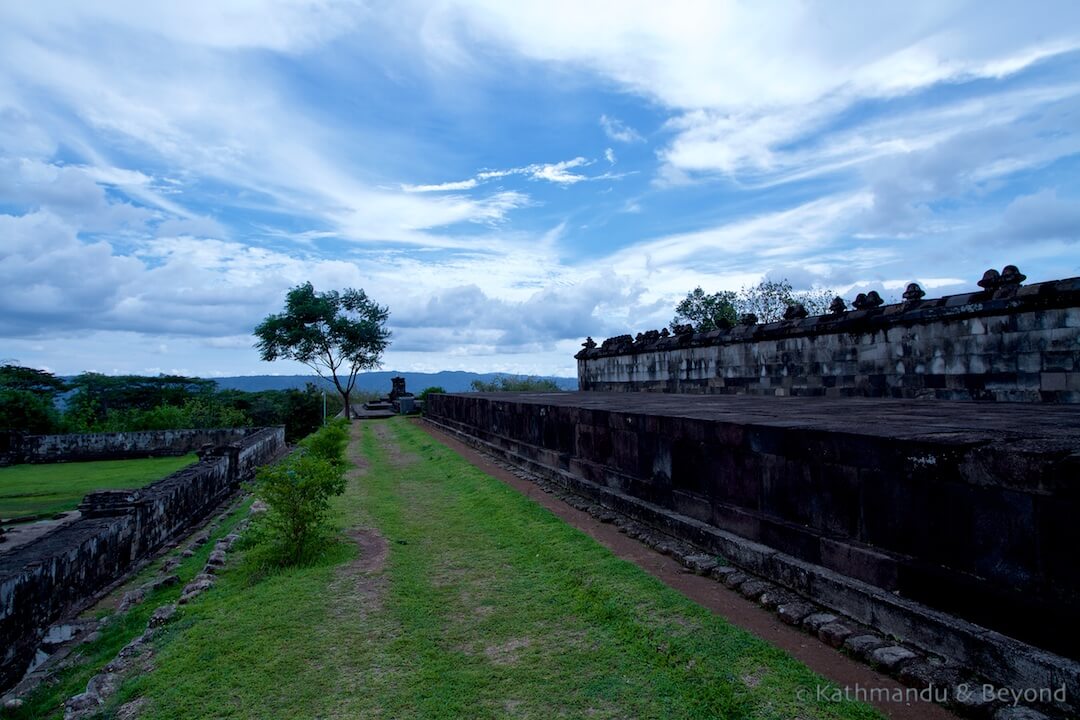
{"x":40,"y":382}
{"x":335,"y":334}
{"x":26,"y":411}
{"x":506,"y":383}
{"x":770,"y":298}
{"x":28,"y":399}
{"x":97,"y":395}
{"x":706,"y":312}
{"x":434,"y":389}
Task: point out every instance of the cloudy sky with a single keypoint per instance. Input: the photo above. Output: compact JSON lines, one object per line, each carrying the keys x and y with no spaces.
{"x":510,"y":176}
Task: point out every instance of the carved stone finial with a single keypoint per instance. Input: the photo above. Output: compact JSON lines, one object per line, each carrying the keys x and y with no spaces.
{"x":664,"y":333}
{"x":838,"y":305}
{"x":795,"y":312}
{"x":748,"y":319}
{"x":1011,"y":275}
{"x":867,"y":301}
{"x":914,"y":293}
{"x":647,"y":338}
{"x":589,"y":343}
{"x":991,"y":279}
{"x":683,"y":329}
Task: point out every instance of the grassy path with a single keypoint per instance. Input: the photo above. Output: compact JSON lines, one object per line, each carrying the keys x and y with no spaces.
{"x":454,"y":596}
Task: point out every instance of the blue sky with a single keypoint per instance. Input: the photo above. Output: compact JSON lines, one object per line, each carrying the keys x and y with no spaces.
{"x":510,"y":176}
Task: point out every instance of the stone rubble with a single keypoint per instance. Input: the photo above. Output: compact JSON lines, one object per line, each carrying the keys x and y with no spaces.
{"x":138,"y":653}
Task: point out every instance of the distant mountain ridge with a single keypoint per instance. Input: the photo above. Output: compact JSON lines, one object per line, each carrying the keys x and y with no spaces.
{"x":378,"y":381}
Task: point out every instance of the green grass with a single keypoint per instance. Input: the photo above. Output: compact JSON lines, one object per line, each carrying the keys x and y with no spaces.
{"x":489,"y":606}
{"x":29,"y":490}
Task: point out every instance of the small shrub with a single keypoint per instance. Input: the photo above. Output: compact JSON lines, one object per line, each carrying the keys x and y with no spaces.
{"x":298,"y":492}
{"x":430,"y":391}
{"x":329,"y":443}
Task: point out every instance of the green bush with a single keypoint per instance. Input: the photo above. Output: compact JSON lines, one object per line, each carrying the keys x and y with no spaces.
{"x":329,"y":443}
{"x":298,"y":491}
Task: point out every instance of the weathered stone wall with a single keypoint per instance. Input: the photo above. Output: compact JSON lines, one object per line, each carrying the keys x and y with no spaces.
{"x":114,"y":446}
{"x":50,"y":577}
{"x":890,"y":511}
{"x":1014,"y":344}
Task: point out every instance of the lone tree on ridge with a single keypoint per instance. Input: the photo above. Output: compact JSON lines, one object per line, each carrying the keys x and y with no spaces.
{"x":336,"y":334}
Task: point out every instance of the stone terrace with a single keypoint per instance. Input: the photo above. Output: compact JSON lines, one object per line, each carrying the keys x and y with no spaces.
{"x":890,"y":511}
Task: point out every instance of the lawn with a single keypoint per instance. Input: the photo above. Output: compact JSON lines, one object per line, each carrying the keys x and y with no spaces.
{"x":30,"y":490}
{"x":487,"y":606}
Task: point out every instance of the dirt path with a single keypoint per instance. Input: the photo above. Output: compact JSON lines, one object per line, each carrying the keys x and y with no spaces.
{"x":398,"y":457}
{"x":819,"y":657}
{"x":359,"y":585}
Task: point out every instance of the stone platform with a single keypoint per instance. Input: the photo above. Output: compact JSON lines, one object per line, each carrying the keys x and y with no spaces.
{"x":951,"y":525}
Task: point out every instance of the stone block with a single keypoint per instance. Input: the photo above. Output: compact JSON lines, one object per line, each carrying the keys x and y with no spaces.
{"x":835,"y":633}
{"x":131,"y":599}
{"x":815,"y":621}
{"x":1053,"y":381}
{"x":793,"y":613}
{"x":162,"y":615}
{"x":775,"y":597}
{"x":861,"y":646}
{"x":700,"y":564}
{"x":924,"y":673}
{"x":735,"y":579}
{"x":1059,"y":360}
{"x":753,"y":589}
{"x":892,"y":657}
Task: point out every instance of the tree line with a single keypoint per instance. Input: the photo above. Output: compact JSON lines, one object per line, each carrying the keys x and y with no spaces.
{"x":38,"y":402}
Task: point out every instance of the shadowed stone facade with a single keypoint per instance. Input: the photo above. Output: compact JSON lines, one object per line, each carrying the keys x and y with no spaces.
{"x":951,"y":526}
{"x":59,"y":573}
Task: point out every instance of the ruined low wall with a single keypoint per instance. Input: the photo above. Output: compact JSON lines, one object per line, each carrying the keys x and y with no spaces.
{"x":1014,"y":344}
{"x":947,"y":525}
{"x":113,"y":446}
{"x":50,"y":577}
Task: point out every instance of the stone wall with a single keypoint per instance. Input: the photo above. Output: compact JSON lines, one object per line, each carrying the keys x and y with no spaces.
{"x":55,"y":575}
{"x":949,"y":525}
{"x":19,"y":448}
{"x":1013,"y":343}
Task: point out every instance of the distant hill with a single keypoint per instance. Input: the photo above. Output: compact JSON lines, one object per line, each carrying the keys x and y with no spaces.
{"x":376,"y":382}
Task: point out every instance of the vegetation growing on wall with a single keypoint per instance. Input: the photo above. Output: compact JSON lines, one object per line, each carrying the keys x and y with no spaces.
{"x":505,"y":383}
{"x":767,"y":300}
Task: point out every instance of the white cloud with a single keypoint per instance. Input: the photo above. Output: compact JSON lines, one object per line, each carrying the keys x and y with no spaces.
{"x":1039,"y":216}
{"x":746,"y":80}
{"x":618,"y":131}
{"x":209,"y":115}
{"x":558,"y":173}
{"x":442,"y":187}
{"x":279,"y":25}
